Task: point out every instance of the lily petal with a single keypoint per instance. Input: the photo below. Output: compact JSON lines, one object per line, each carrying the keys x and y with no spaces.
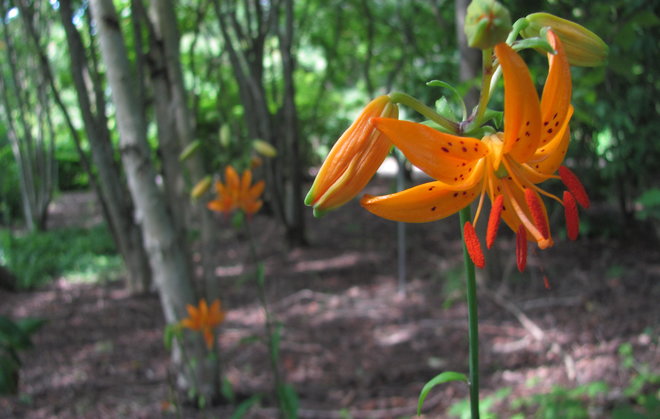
{"x":423,"y":203}
{"x":447,"y":158}
{"x":556,"y":98}
{"x":550,"y":156}
{"x":522,"y":116}
{"x":231,"y":179}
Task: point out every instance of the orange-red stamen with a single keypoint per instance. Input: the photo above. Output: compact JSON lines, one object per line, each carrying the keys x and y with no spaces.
{"x":534,"y":205}
{"x":571,"y":214}
{"x":574,"y":185}
{"x":494,"y":220}
{"x":546,"y":282}
{"x":521,"y":248}
{"x":473,"y":246}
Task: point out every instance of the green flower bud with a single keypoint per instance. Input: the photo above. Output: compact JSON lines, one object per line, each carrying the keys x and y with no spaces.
{"x":487,"y":23}
{"x":583,"y":47}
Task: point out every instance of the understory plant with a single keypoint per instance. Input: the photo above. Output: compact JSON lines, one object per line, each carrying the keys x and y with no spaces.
{"x":504,"y":155}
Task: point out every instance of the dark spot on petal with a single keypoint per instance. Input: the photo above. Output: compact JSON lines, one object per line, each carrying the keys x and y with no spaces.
{"x":449,"y":144}
{"x":554,"y":116}
{"x":464,"y":149}
{"x":545,"y":124}
{"x":527,"y":133}
{"x":464,"y":193}
{"x":556,"y":123}
{"x":517,"y":139}
{"x":455,"y":194}
{"x":527,"y":123}
{"x":431,"y":188}
{"x":445,"y":149}
{"x":549,"y":130}
{"x":433,"y":208}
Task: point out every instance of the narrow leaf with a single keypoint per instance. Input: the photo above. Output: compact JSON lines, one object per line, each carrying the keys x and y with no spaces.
{"x":442,"y":378}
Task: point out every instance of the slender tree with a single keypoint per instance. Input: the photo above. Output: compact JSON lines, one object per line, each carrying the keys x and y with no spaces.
{"x":170,"y":266}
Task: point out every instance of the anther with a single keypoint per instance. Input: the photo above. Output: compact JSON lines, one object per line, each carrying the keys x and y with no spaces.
{"x":534,"y":205}
{"x":574,"y":185}
{"x":521,"y":248}
{"x":494,"y":220}
{"x":473,"y":246}
{"x":571,"y":214}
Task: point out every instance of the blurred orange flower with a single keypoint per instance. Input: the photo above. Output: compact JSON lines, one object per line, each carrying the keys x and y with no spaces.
{"x":204,"y":319}
{"x":237,"y":193}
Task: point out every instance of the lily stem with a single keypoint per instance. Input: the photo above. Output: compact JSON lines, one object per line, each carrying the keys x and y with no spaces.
{"x":411,"y":102}
{"x":473,"y":320}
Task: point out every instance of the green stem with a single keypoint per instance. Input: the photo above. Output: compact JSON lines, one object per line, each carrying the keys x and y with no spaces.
{"x":268,"y":324}
{"x":411,"y":102}
{"x":473,"y":320}
{"x":484,"y":97}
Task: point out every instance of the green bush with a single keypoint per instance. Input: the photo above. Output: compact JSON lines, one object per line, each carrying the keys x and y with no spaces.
{"x":15,"y":336}
{"x":38,"y":257}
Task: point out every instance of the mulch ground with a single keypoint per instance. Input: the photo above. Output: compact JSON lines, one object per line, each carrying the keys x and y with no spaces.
{"x":353,"y":344}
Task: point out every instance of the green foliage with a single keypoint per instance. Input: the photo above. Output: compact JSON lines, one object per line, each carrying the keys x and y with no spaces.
{"x":441,"y":378}
{"x":81,"y":254}
{"x":462,"y":410}
{"x":15,"y":336}
{"x":561,"y":402}
{"x":649,"y":203}
{"x":10,"y":194}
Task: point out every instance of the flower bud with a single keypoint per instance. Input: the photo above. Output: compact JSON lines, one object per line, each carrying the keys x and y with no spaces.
{"x":353,"y":160}
{"x":583,"y":47}
{"x":264,"y":148}
{"x":190,"y":149}
{"x":487,"y":23}
{"x":201,"y":187}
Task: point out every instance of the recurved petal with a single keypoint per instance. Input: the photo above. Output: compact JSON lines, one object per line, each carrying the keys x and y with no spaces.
{"x":550,"y":156}
{"x":256,"y":190}
{"x":231,"y":179}
{"x":556,"y":98}
{"x":447,"y":158}
{"x":246,"y":179}
{"x":522,"y":112}
{"x":423,"y":203}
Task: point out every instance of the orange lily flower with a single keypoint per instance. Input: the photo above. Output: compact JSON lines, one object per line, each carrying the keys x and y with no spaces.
{"x":507,"y":166}
{"x":204,"y":319}
{"x":237,"y":193}
{"x":353,"y":160}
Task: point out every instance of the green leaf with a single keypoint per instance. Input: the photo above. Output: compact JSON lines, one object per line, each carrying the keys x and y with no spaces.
{"x":227,"y":390}
{"x":261,"y":274}
{"x":243,"y":408}
{"x":442,"y":378}
{"x":452,"y":89}
{"x":289,"y":400}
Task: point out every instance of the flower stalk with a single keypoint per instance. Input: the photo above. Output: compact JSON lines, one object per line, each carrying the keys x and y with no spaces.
{"x":473,"y":320}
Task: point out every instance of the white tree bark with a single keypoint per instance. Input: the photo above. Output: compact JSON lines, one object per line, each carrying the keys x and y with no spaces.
{"x":170,"y":267}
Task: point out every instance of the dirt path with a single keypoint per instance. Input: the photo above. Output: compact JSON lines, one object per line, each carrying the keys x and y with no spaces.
{"x":350,"y":339}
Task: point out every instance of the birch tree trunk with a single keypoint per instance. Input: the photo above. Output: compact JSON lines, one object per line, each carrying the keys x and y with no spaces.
{"x":170,"y":267}
{"x":166,"y":31}
{"x":112,"y":191}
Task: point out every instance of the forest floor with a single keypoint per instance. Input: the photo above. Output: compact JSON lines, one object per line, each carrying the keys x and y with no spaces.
{"x":353,"y":345}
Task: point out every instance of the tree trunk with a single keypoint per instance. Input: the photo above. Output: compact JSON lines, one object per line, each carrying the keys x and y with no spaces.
{"x":293,"y":198}
{"x":167,"y":257}
{"x":112,"y":190}
{"x":166,"y":32}
{"x":469,"y":58}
